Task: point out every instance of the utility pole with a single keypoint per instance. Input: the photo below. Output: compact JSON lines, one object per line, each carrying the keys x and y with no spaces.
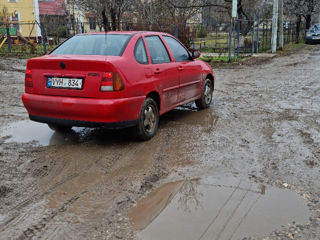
{"x":281,"y":24}
{"x":274,"y":27}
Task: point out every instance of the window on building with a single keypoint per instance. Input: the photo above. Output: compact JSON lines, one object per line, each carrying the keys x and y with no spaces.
{"x":15,"y":18}
{"x":92,"y":23}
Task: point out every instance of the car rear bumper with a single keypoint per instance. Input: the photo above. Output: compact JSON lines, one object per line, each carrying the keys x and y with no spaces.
{"x":78,"y":123}
{"x":86,"y":112}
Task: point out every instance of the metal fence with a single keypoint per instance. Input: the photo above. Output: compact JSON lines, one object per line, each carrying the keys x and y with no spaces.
{"x":243,"y":37}
{"x":232,"y":39}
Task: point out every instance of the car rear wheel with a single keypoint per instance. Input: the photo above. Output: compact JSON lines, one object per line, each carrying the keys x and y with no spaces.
{"x":206,"y":95}
{"x":59,"y":128}
{"x":148,"y":120}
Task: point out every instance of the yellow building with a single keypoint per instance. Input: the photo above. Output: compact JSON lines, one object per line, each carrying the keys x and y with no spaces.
{"x":81,"y":20}
{"x":23,"y":13}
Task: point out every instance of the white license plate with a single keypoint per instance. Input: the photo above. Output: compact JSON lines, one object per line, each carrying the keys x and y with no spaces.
{"x":316,"y":38}
{"x":57,"y":82}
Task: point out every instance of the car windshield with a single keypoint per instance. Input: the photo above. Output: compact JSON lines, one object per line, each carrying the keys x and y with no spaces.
{"x":95,"y":44}
{"x":315,"y":28}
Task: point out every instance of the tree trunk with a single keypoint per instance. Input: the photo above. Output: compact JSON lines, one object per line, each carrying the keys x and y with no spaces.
{"x":245,"y":23}
{"x":118,"y":19}
{"x":113,"y":16}
{"x":308,"y":21}
{"x":298,"y":26}
{"x":105,"y":20}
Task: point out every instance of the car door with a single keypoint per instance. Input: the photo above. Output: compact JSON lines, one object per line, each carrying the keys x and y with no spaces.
{"x":189,"y":70}
{"x":164,"y":71}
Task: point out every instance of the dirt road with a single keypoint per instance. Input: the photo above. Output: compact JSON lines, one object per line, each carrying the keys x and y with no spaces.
{"x":255,"y":152}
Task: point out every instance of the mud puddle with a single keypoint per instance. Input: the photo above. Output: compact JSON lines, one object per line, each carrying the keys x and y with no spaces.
{"x":38,"y":133}
{"x":215,"y":209}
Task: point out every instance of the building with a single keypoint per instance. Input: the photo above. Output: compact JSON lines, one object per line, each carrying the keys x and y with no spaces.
{"x":23,"y":15}
{"x":52,"y":11}
{"x":62,"y":18}
{"x":54,"y":17}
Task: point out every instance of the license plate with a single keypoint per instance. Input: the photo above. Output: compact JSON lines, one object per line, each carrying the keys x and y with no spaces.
{"x":71,"y":83}
{"x":316,"y":38}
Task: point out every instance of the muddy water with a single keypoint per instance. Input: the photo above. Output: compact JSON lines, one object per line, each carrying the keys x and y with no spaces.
{"x":215,"y":209}
{"x":29,"y":131}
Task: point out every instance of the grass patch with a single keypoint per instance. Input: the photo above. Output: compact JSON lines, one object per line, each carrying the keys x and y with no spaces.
{"x":220,"y":59}
{"x":24,"y":50}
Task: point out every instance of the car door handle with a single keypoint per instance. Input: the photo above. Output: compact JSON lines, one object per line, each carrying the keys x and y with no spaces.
{"x":180,"y":68}
{"x":157,"y":71}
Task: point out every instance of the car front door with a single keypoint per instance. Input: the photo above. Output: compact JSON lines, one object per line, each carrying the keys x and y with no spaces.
{"x":189,"y":70}
{"x":165,"y":72}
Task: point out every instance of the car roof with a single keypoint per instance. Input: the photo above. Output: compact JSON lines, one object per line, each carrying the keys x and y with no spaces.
{"x":122,"y":33}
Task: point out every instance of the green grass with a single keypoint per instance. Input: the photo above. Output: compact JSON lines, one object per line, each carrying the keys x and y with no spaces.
{"x":24,"y":50}
{"x":220,"y":59}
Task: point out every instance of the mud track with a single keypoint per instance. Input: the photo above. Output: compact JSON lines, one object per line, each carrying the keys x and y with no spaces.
{"x":262,"y":128}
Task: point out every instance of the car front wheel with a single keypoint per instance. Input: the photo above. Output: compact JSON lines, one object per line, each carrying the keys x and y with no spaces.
{"x":148,"y":120}
{"x":206,"y":95}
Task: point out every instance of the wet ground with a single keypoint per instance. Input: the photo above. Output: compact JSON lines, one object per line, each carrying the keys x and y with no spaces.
{"x":247,"y":168}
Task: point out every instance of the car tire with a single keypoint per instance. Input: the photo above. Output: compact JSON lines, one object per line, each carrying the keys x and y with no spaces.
{"x":148,"y":120}
{"x":59,"y":128}
{"x":206,"y":95}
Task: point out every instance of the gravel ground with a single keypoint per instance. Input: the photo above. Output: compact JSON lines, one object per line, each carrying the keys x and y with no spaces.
{"x":263,"y":127}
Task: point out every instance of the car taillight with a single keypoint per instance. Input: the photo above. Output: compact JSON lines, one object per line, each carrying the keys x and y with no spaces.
{"x":28,"y":78}
{"x":111,"y":81}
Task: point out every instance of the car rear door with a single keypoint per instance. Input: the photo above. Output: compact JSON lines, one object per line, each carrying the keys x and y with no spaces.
{"x":164,"y":71}
{"x":189,"y":70}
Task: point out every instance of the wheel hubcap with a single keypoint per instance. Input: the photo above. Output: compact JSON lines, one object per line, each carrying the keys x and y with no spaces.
{"x":207,"y":94}
{"x":149,"y":119}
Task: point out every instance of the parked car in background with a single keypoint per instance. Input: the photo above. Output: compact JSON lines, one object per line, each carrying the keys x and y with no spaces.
{"x":115,"y":80}
{"x":313,"y":34}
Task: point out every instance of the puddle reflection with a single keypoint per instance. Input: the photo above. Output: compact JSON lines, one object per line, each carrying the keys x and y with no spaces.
{"x":206,"y":210}
{"x":40,"y":134}
{"x":27,"y":131}
{"x":191,"y":116}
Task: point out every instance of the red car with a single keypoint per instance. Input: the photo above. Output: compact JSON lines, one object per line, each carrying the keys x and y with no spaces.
{"x":115,"y":80}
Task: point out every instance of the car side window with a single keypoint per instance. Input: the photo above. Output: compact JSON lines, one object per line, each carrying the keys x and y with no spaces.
{"x":158,"y":51}
{"x":179,"y":52}
{"x":140,"y":52}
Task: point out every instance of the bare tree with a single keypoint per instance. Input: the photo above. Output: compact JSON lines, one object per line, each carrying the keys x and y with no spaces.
{"x":107,"y":11}
{"x":302,"y":9}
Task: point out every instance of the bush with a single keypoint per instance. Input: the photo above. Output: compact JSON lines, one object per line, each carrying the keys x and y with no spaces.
{"x":201,"y":32}
{"x":62,"y":32}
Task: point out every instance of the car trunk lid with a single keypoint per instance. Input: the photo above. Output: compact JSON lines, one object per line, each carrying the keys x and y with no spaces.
{"x":69,"y":75}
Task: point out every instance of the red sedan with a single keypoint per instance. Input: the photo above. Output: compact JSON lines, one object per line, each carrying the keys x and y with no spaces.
{"x":115,"y":80}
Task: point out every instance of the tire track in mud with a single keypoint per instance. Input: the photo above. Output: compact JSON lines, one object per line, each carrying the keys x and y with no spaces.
{"x":40,"y":195}
{"x":35,"y":229}
{"x":118,"y":165}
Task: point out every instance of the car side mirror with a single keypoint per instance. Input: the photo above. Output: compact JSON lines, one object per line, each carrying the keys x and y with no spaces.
{"x":195,"y":54}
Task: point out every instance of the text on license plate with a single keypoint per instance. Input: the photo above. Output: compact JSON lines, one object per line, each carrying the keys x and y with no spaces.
{"x":73,"y":83}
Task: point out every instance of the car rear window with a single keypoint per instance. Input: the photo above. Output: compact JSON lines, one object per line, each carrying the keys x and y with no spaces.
{"x":96,"y":44}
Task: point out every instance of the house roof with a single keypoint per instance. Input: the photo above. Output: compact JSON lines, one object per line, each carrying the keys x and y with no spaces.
{"x":52,"y":7}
